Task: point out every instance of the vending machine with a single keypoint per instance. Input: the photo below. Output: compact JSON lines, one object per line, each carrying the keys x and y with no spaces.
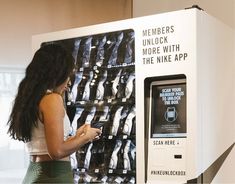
{"x":102,"y":94}
{"x":162,"y":90}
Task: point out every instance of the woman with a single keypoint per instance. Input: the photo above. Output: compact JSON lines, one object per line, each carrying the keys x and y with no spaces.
{"x":38,"y":117}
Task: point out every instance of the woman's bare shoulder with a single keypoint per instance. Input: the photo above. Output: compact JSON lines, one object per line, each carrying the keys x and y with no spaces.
{"x":51,"y":100}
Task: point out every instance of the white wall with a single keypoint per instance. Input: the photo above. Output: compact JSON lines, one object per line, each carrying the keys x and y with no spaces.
{"x":223,"y":10}
{"x":20,"y":19}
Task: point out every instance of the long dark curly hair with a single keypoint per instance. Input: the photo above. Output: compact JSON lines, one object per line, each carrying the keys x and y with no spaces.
{"x":51,"y":65}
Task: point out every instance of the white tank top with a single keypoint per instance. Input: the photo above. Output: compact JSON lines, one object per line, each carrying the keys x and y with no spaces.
{"x":37,"y":145}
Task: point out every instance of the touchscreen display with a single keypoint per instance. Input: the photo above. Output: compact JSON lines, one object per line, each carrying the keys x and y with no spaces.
{"x":168,"y":109}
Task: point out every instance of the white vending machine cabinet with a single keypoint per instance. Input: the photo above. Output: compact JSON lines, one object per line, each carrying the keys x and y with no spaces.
{"x":167,"y":136}
{"x":162,"y":88}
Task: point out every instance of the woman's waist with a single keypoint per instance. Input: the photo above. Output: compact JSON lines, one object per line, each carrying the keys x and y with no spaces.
{"x":45,"y":157}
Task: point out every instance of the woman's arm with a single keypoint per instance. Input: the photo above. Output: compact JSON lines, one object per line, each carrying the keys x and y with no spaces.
{"x":52,"y":110}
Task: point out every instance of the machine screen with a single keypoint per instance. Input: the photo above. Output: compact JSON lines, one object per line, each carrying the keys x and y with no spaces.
{"x":168,"y":109}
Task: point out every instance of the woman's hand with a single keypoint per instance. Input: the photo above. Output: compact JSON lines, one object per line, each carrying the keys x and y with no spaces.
{"x":91,"y":133}
{"x":88,"y":132}
{"x":80,"y":130}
